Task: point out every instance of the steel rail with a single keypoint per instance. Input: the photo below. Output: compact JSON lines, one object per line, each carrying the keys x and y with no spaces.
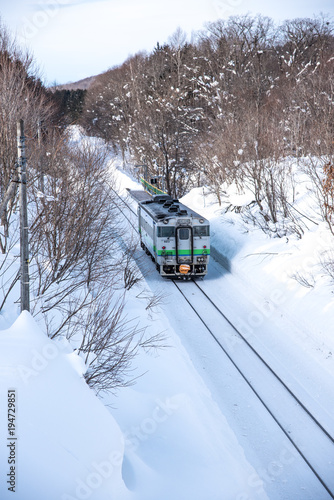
{"x":249,"y":383}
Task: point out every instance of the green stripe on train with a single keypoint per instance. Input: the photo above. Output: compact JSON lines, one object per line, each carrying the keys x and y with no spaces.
{"x":183,"y":252}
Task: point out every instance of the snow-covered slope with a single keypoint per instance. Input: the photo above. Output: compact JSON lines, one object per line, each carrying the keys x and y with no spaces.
{"x":61,"y":442}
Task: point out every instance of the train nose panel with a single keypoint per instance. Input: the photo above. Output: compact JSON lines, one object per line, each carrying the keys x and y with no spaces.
{"x":184,"y":245}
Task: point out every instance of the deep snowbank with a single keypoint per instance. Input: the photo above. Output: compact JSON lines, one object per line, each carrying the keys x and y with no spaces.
{"x":65,"y":444}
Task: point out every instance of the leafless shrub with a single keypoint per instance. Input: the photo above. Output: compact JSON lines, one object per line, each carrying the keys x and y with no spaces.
{"x":110,"y":342}
{"x":306,"y":280}
{"x":154,"y":343}
{"x":153,"y":299}
{"x":314,"y":168}
{"x":132,"y":275}
{"x":327,"y":263}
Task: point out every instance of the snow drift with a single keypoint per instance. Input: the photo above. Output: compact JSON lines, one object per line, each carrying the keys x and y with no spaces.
{"x":66,"y":443}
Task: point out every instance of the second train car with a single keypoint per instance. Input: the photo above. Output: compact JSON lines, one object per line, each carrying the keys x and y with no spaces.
{"x":176,"y":237}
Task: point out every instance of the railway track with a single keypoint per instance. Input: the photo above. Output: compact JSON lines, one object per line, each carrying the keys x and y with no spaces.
{"x":125,"y":207}
{"x":310,"y":438}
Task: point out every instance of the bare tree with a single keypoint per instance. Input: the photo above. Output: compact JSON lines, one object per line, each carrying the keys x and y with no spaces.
{"x":303,"y":42}
{"x":22,"y":96}
{"x":75,"y":230}
{"x":109,"y":344}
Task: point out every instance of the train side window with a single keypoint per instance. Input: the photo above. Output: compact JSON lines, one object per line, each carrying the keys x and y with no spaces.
{"x":165,"y":232}
{"x":201,"y":230}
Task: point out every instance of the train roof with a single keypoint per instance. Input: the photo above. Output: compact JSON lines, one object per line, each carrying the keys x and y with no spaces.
{"x":164,"y":206}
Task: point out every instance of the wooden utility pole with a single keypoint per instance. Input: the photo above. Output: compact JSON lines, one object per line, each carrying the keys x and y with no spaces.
{"x":24,"y":238}
{"x":41,"y":169}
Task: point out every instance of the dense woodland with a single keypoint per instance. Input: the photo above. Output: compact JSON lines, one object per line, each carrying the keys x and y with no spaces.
{"x":228,"y":107}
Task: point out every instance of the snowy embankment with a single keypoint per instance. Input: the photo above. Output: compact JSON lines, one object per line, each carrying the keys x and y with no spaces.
{"x":183,"y":430}
{"x":57,"y":439}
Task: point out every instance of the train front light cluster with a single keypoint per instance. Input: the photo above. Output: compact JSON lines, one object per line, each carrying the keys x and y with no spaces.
{"x":201,"y":259}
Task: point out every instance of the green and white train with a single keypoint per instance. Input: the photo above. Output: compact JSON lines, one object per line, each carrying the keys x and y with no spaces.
{"x":176,"y":237}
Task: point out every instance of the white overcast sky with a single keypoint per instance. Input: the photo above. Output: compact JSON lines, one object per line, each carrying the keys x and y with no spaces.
{"x":73,"y":39}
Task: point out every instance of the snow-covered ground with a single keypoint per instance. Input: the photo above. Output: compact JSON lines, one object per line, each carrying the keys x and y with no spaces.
{"x":188,"y":428}
{"x":57,"y":439}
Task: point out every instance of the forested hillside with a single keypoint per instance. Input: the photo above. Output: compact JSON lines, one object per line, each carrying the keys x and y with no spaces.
{"x":227,"y":107}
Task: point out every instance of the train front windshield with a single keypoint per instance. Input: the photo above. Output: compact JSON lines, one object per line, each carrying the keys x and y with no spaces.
{"x":166,"y":232}
{"x":201,"y":231}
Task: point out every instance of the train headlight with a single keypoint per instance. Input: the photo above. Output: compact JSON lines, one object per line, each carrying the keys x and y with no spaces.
{"x":165,"y":221}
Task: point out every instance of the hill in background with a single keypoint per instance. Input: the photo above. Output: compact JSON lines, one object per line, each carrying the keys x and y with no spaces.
{"x":83,"y":84}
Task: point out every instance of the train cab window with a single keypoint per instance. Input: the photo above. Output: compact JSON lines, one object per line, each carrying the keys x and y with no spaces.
{"x":165,"y":232}
{"x":183,"y":233}
{"x":201,"y":231}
